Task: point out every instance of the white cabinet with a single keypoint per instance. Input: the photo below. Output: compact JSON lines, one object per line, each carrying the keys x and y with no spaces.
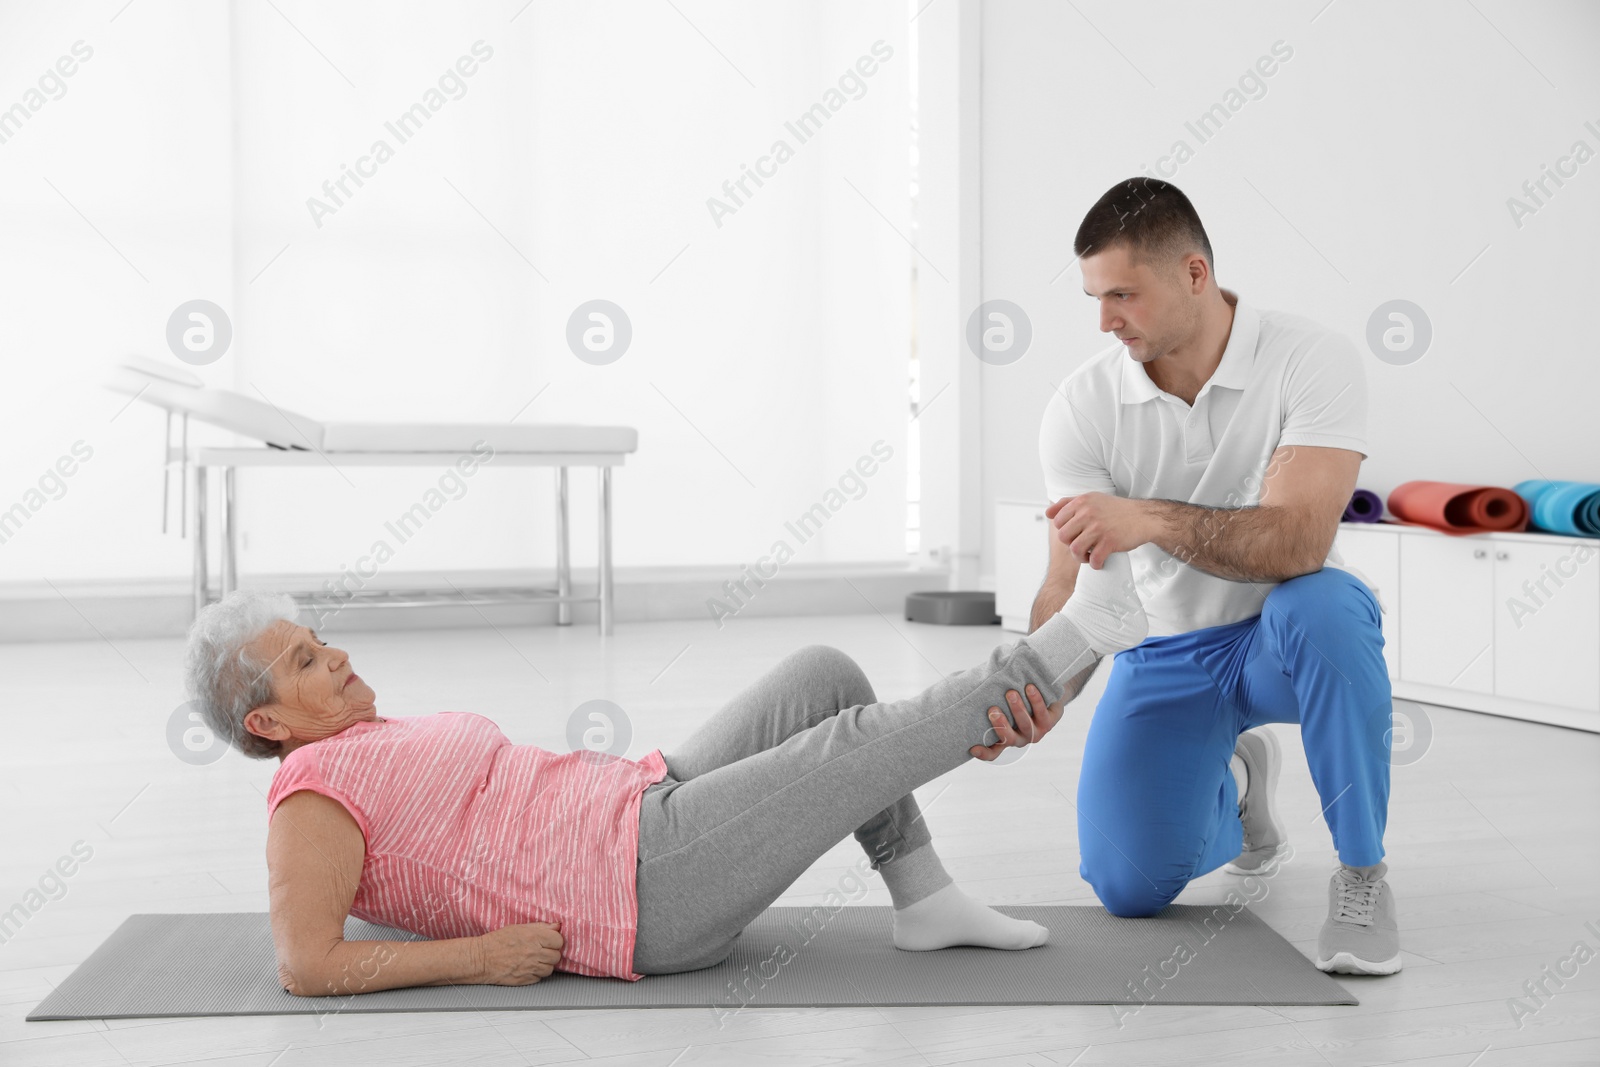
{"x":1507,"y":615}
{"x":1506,"y":623}
{"x":1375,"y":558}
{"x":1546,"y":626}
{"x":1447,"y":625}
{"x":1021,"y":554}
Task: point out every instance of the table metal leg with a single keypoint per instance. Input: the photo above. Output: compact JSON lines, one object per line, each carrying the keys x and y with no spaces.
{"x":230,"y":536}
{"x":200,"y":577}
{"x":605,"y":551}
{"x":563,"y":555}
{"x":166,"y":470}
{"x":183,"y":479}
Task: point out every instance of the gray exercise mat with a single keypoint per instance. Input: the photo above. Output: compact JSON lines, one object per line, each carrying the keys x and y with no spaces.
{"x":223,"y":964}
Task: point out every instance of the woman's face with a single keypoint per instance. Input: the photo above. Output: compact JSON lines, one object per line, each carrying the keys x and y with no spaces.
{"x":315,"y":692}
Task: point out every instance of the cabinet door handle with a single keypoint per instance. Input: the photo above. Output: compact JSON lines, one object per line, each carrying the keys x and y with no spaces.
{"x":1039,"y":517}
{"x":1502,"y":555}
{"x":1478,"y":553}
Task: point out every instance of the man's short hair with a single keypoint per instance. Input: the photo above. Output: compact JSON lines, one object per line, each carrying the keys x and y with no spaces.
{"x":1151,"y":218}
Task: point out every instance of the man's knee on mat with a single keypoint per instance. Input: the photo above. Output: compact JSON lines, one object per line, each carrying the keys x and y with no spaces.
{"x":1124,"y":891}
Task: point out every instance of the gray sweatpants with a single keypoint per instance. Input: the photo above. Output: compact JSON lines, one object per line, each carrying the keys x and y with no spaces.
{"x":798,"y":760}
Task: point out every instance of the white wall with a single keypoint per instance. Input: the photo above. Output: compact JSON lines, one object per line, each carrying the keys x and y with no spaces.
{"x":1375,"y":164}
{"x":766,"y":358}
{"x":114,"y":204}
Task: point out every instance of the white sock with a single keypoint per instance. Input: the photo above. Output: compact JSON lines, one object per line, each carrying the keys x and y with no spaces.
{"x":1106,"y":606}
{"x":950,"y":917}
{"x":1240,"y":775}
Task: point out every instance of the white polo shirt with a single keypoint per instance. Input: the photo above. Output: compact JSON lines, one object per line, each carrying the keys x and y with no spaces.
{"x":1283,"y":380}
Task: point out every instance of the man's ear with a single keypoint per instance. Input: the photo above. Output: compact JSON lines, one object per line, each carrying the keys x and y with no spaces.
{"x":265,"y":722}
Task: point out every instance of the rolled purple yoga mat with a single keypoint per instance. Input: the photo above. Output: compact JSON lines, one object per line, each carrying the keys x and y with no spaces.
{"x":1364,"y":506}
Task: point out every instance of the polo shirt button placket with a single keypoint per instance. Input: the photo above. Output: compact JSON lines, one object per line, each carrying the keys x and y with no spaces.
{"x":1197,"y":435}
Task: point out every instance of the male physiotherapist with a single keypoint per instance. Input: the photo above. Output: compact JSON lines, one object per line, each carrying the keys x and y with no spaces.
{"x":1218,"y":445}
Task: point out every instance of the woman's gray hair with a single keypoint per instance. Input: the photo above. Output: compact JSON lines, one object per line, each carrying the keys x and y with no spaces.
{"x":221,"y":674}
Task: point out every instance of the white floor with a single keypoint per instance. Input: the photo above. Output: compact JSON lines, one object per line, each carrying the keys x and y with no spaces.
{"x":1492,"y":844}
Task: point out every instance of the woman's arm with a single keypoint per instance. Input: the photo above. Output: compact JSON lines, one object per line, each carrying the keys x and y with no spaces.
{"x":314,"y":856}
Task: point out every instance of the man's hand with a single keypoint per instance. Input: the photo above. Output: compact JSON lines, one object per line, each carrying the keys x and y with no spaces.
{"x":1094,"y":525}
{"x":1031,"y":725}
{"x":520,"y":954}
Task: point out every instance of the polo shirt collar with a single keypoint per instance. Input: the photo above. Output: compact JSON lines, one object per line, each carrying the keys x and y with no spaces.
{"x":1233,"y":372}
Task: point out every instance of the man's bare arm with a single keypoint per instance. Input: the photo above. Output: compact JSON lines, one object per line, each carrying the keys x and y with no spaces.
{"x":1250,"y":544}
{"x":1288,"y":534}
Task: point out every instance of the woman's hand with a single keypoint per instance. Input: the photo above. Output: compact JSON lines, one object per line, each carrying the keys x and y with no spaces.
{"x":520,"y":954}
{"x":285,"y":979}
{"x":1031,"y":724}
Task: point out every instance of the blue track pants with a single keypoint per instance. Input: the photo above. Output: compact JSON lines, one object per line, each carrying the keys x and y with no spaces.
{"x":1157,"y":804}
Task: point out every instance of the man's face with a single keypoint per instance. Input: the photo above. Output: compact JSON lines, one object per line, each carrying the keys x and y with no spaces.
{"x":1152,"y":314}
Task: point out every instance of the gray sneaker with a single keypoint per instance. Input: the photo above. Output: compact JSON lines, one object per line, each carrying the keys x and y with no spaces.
{"x":1264,"y":836}
{"x":1360,"y":936}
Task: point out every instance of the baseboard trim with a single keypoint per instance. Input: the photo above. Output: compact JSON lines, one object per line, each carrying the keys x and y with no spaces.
{"x":89,"y":610}
{"x":1487,"y":704}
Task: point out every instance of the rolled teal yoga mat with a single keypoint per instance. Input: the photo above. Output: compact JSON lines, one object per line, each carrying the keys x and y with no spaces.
{"x":1562,"y":507}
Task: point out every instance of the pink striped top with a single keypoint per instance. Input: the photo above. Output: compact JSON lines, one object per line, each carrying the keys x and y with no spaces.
{"x":466,"y":832}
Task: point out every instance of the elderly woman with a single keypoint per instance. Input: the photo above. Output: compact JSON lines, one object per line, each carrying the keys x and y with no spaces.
{"x":515,"y":861}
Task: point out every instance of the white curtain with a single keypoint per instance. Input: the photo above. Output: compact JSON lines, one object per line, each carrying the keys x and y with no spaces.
{"x":401,"y":206}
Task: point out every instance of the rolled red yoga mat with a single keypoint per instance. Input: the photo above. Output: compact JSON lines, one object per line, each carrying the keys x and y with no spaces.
{"x":1458,"y":509}
{"x":1364,"y":506}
